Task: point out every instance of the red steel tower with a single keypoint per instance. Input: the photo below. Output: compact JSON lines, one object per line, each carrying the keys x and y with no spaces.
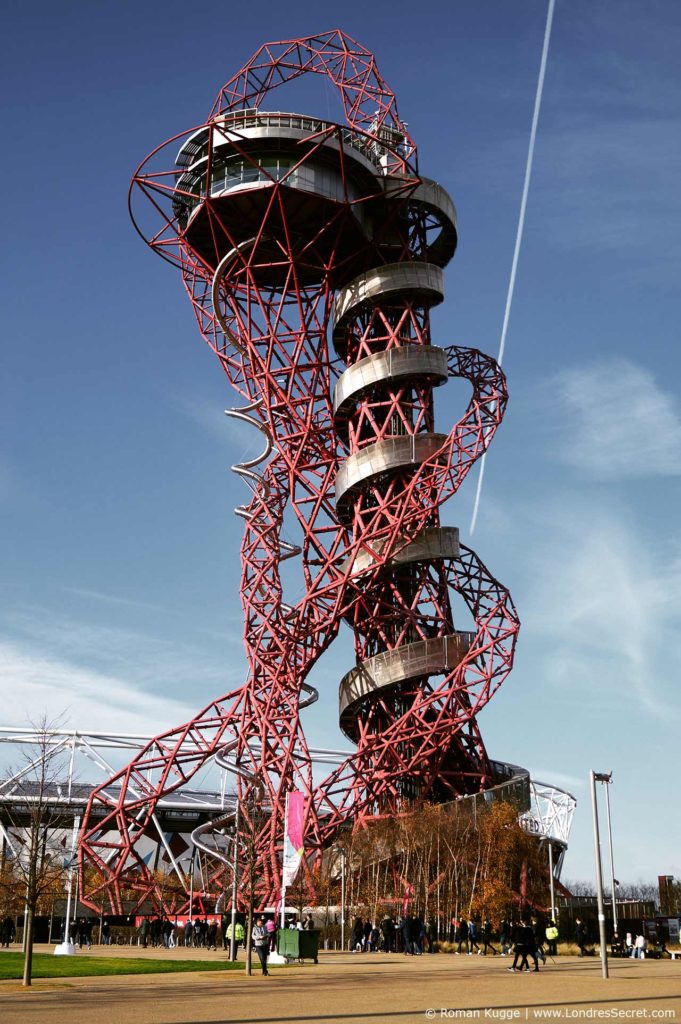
{"x":312,"y":253}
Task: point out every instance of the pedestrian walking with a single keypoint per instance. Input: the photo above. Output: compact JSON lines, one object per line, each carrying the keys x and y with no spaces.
{"x":367,"y":933}
{"x":261,"y":943}
{"x":487,"y":938}
{"x":552,"y":938}
{"x":580,"y":936}
{"x":538,"y":931}
{"x":523,"y":943}
{"x":473,"y":938}
{"x":505,"y":937}
{"x":357,"y":935}
{"x":7,"y":932}
{"x":388,"y":932}
{"x":406,"y":935}
{"x":271,"y":929}
{"x":462,"y":936}
{"x":415,"y":931}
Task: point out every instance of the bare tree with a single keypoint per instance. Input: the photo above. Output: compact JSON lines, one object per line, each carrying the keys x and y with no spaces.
{"x":34,"y":823}
{"x":253,"y":817}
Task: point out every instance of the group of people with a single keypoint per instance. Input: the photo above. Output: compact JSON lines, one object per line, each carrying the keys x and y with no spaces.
{"x":526,"y":939}
{"x":466,"y":933}
{"x":411,"y":934}
{"x":161,"y":933}
{"x":414,"y":936}
{"x":7,"y":932}
{"x":636,"y":946}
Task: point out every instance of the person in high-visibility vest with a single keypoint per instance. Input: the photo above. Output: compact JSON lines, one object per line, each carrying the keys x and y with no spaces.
{"x":552,"y":938}
{"x":239,"y":934}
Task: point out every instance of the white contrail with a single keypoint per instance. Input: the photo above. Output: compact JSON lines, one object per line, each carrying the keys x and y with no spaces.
{"x":521,"y":226}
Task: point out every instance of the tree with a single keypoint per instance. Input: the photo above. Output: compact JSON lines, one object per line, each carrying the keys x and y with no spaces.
{"x":253,"y":816}
{"x":440,"y":861}
{"x":34,"y":822}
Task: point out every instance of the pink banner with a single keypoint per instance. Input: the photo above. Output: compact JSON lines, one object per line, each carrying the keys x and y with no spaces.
{"x":293,"y":836}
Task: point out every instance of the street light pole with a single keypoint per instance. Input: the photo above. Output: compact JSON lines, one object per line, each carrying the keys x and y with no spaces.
{"x":340,"y":850}
{"x":612,"y":858}
{"x":599,"y":873}
{"x":235,"y":868}
{"x":191,"y":887}
{"x":551,"y":882}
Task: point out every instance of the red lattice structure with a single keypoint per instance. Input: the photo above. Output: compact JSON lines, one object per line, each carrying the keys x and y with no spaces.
{"x":312,"y":253}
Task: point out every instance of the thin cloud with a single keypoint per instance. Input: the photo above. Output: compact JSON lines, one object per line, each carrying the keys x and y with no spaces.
{"x":620,"y":423}
{"x":553,"y":778}
{"x":603,"y":620}
{"x":91,"y":699}
{"x":151,"y":662}
{"x":124,"y":602}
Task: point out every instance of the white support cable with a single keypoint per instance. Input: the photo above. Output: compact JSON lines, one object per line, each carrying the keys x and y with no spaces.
{"x":520,"y":229}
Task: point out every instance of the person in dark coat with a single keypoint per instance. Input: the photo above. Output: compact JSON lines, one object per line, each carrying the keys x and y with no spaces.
{"x":462,"y":936}
{"x":367,"y":935}
{"x":406,"y":934}
{"x":505,"y":937}
{"x":7,"y":932}
{"x":432,"y":935}
{"x":388,"y":932}
{"x":487,"y":938}
{"x":524,"y":947}
{"x":189,"y":934}
{"x":539,"y":936}
{"x":357,"y":935}
{"x":580,"y":936}
{"x":473,"y":937}
{"x":414,"y":930}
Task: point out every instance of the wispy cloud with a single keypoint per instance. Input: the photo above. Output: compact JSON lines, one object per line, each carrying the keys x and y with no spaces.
{"x":599,"y":608}
{"x":153,"y":663}
{"x":620,"y":423}
{"x":554,"y":778}
{"x":90,"y":699}
{"x":123,"y":602}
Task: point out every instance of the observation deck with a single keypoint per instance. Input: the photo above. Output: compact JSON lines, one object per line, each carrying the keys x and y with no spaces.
{"x":335,"y":193}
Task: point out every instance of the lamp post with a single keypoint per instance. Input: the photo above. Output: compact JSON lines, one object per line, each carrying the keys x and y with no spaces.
{"x":552,"y":882}
{"x":235,"y":868}
{"x":607,"y":780}
{"x":67,"y":947}
{"x":340,"y":850}
{"x":599,"y":777}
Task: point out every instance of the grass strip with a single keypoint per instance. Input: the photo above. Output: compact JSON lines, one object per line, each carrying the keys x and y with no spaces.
{"x":46,"y":965}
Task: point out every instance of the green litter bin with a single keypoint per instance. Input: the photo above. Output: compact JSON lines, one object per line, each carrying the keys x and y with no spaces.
{"x":298,"y":945}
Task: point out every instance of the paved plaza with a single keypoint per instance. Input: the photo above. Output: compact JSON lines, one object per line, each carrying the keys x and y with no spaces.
{"x":377,"y":989}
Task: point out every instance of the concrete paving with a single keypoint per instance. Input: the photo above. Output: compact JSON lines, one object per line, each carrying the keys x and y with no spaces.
{"x":354,"y":989}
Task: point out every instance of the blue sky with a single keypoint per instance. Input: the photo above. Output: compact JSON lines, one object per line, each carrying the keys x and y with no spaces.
{"x":119,"y":574}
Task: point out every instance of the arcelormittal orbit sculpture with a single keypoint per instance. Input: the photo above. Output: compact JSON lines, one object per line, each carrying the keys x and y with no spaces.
{"x":312,"y":254}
